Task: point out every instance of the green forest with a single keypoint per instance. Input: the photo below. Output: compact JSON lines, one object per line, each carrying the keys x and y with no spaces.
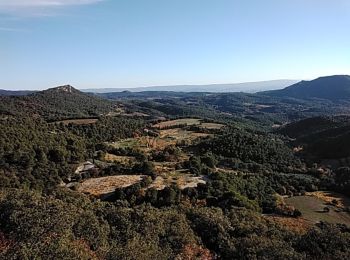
{"x":211,"y":183}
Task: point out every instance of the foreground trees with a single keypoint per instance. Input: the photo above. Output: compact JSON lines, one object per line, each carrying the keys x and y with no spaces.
{"x":69,"y":226}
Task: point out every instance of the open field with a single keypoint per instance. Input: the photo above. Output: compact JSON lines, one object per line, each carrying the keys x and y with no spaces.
{"x":183,"y":121}
{"x":168,"y":175}
{"x":107,"y":185}
{"x":86,"y":121}
{"x":312,"y":209}
{"x":178,"y":134}
{"x":166,"y":138}
{"x":188,"y":122}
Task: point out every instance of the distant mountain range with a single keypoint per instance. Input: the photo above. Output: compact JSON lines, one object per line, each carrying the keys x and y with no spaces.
{"x":332,"y":87}
{"x":4,"y":92}
{"x":249,"y":87}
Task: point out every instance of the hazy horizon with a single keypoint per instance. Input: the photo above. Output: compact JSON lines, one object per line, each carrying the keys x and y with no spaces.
{"x":154,"y":86}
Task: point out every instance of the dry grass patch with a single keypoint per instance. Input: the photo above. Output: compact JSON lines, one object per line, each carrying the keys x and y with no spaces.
{"x":162,"y":168}
{"x":166,"y":138}
{"x":178,"y":134}
{"x":180,"y":179}
{"x":329,"y":197}
{"x":106,"y":185}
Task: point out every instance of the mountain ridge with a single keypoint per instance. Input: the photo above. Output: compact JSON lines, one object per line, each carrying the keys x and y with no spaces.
{"x":4,"y":92}
{"x":249,"y":87}
{"x":336,"y":87}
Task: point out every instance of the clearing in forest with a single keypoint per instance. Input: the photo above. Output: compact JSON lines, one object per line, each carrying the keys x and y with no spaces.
{"x":119,"y":159}
{"x":180,"y":179}
{"x":182,"y":121}
{"x":107,"y":185}
{"x":315,"y":210}
{"x":166,"y":138}
{"x":188,"y":122}
{"x":175,"y":135}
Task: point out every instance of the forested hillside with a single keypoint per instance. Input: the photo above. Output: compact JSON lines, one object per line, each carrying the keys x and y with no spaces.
{"x":323,"y":137}
{"x":55,"y":104}
{"x":193,"y":176}
{"x":331,"y":88}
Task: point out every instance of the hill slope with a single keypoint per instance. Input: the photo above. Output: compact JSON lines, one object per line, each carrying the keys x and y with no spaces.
{"x":331,"y":87}
{"x":321,"y":137}
{"x":56,"y":103}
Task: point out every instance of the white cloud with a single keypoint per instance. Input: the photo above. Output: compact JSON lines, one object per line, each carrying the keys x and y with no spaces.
{"x":43,"y":3}
{"x":39,"y":7}
{"x":10,"y":29}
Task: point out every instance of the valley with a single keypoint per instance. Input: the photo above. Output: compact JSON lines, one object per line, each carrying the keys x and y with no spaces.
{"x":162,"y":172}
{"x":163,"y":143}
{"x":174,"y":130}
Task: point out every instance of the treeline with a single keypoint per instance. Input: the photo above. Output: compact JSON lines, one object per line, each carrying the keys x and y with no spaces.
{"x":225,"y":190}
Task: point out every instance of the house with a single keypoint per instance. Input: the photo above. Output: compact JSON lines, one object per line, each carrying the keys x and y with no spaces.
{"x":85,"y":167}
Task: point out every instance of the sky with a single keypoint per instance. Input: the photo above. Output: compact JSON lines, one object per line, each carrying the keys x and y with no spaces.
{"x":135,"y":43}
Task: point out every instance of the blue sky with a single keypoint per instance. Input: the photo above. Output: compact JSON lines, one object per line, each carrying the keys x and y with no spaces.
{"x":134,"y":43}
